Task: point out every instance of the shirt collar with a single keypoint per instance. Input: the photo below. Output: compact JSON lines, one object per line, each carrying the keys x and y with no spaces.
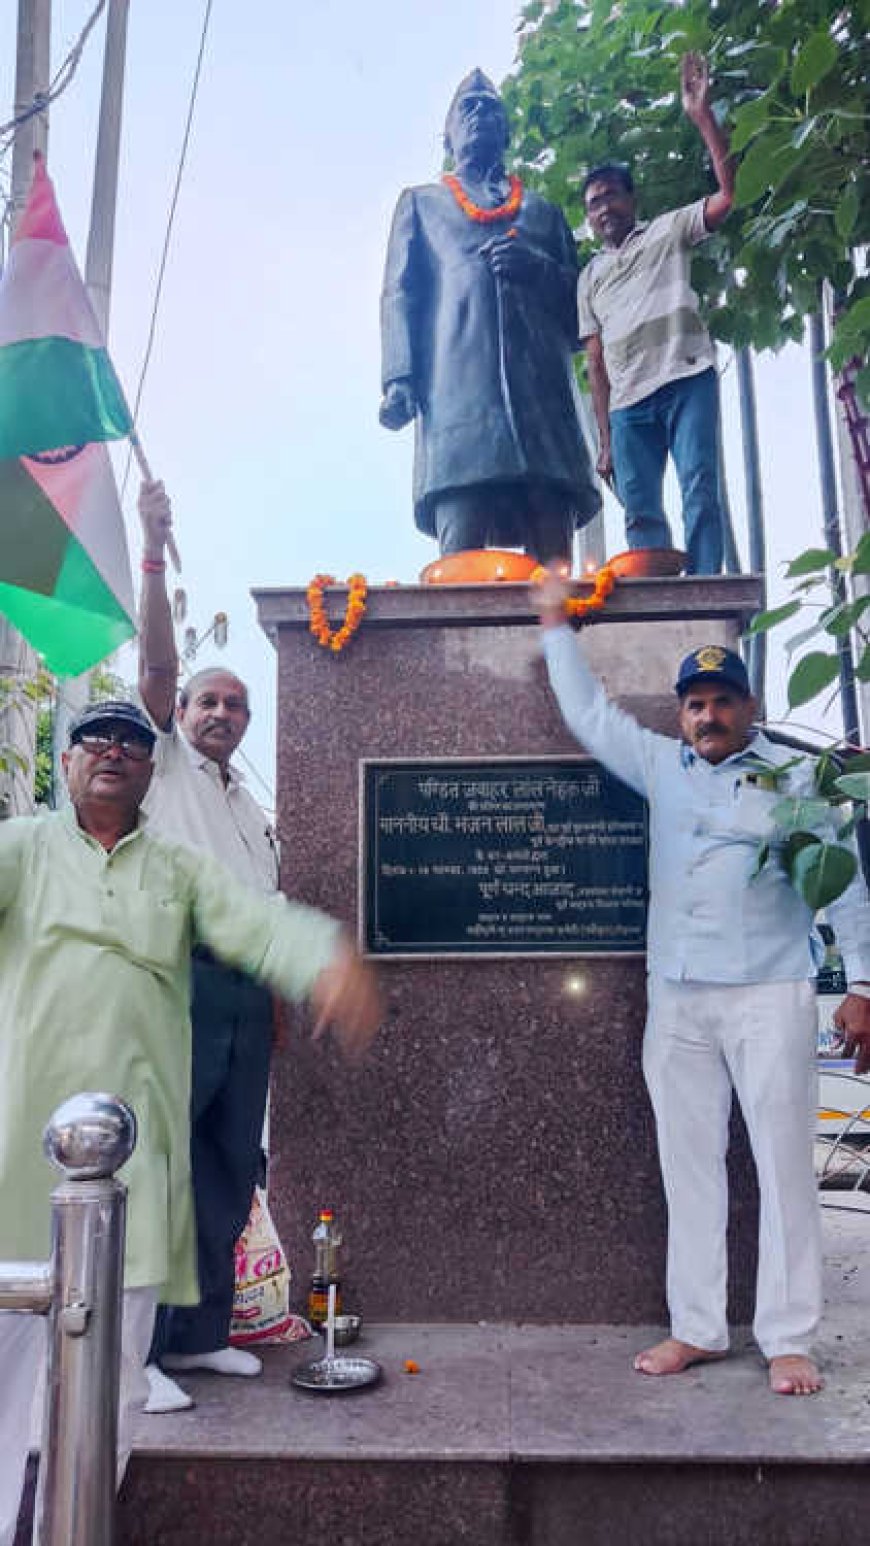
{"x":70,"y":819}
{"x":208,"y":764}
{"x":637,"y":230}
{"x":688,"y":757}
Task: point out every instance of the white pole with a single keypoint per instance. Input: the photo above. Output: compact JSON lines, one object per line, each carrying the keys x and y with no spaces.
{"x":73,"y":695}
{"x":17,"y":659}
{"x":32,"y":76}
{"x":101,"y":236}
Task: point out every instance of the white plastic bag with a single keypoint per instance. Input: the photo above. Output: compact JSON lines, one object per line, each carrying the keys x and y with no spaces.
{"x":261,"y":1308}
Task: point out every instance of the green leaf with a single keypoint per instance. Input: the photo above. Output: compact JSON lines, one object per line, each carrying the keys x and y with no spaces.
{"x":805,"y":129}
{"x":814,"y":59}
{"x":828,"y":769}
{"x":795,"y":844}
{"x":748,"y":119}
{"x":762,"y":621}
{"x":798,"y":640}
{"x":810,"y":561}
{"x":762,"y":166}
{"x":846,"y":212}
{"x":857,"y":318}
{"x":860,"y":559}
{"x":799,"y":813}
{"x":862,"y":386}
{"x":821,"y":872}
{"x":862,"y":668}
{"x":840,"y":620}
{"x":855,"y":785}
{"x":761,"y":859}
{"x":811,"y":676}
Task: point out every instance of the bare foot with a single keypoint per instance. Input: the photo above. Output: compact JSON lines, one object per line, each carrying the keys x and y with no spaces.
{"x":672,"y":1357}
{"x":794,"y":1375}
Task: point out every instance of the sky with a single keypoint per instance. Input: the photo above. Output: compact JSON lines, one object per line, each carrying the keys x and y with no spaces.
{"x":260,"y":402}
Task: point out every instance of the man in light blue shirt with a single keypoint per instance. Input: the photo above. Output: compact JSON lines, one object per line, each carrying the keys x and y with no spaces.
{"x":731,"y":965}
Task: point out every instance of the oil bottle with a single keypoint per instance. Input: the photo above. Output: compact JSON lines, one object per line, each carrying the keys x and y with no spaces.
{"x":327,"y":1239}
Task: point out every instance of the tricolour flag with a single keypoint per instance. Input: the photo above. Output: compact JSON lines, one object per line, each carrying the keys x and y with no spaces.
{"x":65,"y":580}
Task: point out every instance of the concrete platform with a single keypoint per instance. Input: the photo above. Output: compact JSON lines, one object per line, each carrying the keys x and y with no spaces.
{"x":523,"y":1436}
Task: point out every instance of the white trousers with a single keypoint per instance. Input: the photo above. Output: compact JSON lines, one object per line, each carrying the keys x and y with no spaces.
{"x":22,"y":1381}
{"x":702,"y":1039}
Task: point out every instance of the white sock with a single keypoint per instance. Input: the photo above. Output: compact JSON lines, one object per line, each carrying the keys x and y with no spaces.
{"x":224,"y":1360}
{"x":163,"y":1393}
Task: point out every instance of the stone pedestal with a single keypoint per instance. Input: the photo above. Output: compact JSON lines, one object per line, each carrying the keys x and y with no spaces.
{"x":493,"y":1158}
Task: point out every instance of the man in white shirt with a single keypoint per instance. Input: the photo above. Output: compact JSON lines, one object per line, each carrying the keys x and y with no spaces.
{"x":198,"y":798}
{"x":731,"y":992}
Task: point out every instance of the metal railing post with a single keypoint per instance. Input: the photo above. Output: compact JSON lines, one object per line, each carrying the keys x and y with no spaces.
{"x":89,"y":1137}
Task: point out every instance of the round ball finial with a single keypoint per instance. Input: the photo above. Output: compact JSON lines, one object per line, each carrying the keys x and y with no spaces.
{"x":90,"y":1136}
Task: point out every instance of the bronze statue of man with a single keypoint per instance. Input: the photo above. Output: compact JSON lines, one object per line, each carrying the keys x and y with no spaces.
{"x":478,"y":328}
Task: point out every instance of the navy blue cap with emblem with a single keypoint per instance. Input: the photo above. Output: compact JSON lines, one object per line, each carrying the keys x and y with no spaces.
{"x":112,"y":711}
{"x":712,"y":663}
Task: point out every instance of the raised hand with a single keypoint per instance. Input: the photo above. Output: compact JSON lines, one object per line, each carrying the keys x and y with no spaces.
{"x":551,"y":593}
{"x":155,"y":513}
{"x":694,"y":85}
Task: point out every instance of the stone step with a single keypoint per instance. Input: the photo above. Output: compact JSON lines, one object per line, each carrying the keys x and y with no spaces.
{"x":512,"y":1436}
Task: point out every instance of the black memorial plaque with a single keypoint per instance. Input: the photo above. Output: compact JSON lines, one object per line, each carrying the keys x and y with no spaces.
{"x":508,"y":856}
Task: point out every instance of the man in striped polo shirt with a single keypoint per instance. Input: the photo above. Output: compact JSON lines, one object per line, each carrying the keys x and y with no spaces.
{"x":651,"y":360}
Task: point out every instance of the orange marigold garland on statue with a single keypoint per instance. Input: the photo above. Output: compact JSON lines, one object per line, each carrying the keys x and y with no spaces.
{"x":505,"y":211}
{"x":331,"y":638}
{"x":578,"y":606}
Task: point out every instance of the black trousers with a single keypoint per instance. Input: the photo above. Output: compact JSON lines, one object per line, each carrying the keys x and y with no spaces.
{"x":232,"y":1045}
{"x":538,"y":514}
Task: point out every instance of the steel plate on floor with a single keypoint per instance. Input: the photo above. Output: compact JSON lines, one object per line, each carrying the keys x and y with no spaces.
{"x":332,"y":1376}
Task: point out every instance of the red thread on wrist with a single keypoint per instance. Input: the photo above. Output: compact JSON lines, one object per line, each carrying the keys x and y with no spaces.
{"x":153,"y":565}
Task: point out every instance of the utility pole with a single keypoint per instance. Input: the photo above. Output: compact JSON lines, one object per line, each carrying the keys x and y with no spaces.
{"x":828,"y":482}
{"x":101,"y":236}
{"x":73,"y":696}
{"x":18,"y":662}
{"x":852,"y":466}
{"x":754,"y":509}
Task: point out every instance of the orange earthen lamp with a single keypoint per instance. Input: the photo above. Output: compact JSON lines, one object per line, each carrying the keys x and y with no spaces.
{"x":647,"y":563}
{"x":483,"y":566}
{"x":479,"y":566}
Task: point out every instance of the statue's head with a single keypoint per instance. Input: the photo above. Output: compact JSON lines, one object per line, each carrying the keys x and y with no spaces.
{"x":476,"y":125}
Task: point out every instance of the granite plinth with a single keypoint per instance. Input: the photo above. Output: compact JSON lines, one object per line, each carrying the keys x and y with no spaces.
{"x":494,"y":1157}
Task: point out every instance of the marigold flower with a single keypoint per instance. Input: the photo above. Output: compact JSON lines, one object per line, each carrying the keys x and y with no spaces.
{"x":505,"y":211}
{"x":578,"y":606}
{"x":319,"y":626}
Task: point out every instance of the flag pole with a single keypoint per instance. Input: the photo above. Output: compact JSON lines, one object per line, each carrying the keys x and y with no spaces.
{"x":145,"y":469}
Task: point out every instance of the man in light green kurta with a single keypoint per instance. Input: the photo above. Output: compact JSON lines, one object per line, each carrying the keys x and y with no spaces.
{"x":97,"y":920}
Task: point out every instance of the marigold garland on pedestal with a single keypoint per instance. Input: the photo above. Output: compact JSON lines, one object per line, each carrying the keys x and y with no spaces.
{"x":578,"y":606}
{"x":331,"y":638}
{"x":505,"y":211}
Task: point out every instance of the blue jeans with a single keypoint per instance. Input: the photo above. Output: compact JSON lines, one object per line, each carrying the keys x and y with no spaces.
{"x":681,"y":417}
